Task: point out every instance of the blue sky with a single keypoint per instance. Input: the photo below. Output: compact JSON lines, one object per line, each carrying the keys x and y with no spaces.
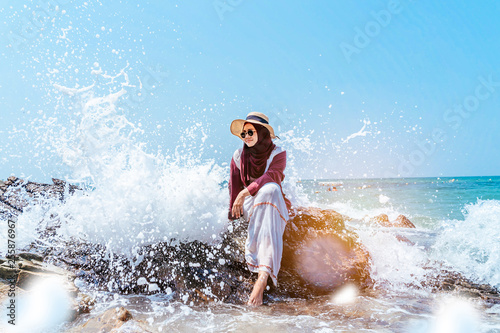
{"x":418,"y":81}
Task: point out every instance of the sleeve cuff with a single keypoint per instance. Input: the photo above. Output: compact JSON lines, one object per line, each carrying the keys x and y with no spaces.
{"x":253,"y":188}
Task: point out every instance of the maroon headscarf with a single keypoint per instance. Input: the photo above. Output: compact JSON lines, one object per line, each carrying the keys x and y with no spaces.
{"x":254,"y":159}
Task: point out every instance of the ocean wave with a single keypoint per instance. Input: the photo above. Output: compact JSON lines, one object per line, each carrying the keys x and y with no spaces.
{"x":472,"y":245}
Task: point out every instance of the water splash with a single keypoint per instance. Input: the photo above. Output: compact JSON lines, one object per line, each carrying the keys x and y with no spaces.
{"x":471,"y":246}
{"x":134,"y":198}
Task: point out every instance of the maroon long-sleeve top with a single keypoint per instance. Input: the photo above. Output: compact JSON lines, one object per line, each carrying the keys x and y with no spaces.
{"x":275,"y":174}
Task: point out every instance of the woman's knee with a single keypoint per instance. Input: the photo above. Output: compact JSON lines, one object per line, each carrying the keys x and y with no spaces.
{"x":269,"y":190}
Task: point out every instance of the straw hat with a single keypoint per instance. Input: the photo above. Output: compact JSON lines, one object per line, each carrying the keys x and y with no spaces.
{"x":254,"y":118}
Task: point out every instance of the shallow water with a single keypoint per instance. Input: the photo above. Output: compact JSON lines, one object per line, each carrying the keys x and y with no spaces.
{"x":376,"y":311}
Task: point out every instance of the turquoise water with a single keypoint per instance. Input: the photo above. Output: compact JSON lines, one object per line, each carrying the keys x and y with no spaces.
{"x":426,"y":201}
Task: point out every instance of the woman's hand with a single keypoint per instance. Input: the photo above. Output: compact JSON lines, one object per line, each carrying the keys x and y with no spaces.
{"x":238,"y":203}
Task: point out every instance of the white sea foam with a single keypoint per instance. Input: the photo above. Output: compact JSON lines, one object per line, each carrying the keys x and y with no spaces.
{"x":136,"y":198}
{"x":395,"y":265}
{"x":472,"y":245}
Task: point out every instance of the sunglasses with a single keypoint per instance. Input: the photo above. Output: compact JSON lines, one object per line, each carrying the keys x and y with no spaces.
{"x":249,"y":132}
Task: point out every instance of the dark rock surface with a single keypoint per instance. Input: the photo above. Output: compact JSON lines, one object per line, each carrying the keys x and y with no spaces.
{"x":15,"y":193}
{"x":454,"y":282}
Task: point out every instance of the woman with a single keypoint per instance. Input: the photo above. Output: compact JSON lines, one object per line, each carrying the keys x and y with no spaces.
{"x":256,"y":195}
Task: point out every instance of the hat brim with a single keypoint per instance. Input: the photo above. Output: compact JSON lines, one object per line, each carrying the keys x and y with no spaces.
{"x":237,"y":127}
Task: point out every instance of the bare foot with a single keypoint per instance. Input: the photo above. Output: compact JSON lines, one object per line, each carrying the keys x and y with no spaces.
{"x":258,"y":289}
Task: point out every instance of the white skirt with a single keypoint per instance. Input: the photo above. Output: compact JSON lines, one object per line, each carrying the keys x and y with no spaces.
{"x":267,"y":216}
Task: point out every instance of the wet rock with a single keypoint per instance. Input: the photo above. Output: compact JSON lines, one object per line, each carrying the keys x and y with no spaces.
{"x":179,"y":270}
{"x":30,"y":275}
{"x":320,"y":254}
{"x":7,"y":273}
{"x":26,"y":273}
{"x":382,"y":220}
{"x":7,"y":211}
{"x":15,"y":193}
{"x":199,"y":273}
{"x":492,"y":299}
{"x":85,"y":303}
{"x":30,"y":256}
{"x":404,"y":239}
{"x":12,"y":179}
{"x":400,"y":222}
{"x":403,"y":222}
{"x":26,"y":279}
{"x":58,"y":182}
{"x":454,"y":282}
{"x":109,"y":321}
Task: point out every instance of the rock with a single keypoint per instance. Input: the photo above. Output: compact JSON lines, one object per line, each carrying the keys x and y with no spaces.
{"x":26,"y":273}
{"x":456,"y":283}
{"x":469,"y":293}
{"x":7,"y":273}
{"x":201,"y":273}
{"x":382,"y":220}
{"x":403,"y":222}
{"x":58,"y":182}
{"x":32,"y":276}
{"x":123,"y":315}
{"x":30,"y":256}
{"x":15,"y":194}
{"x":491,"y":299}
{"x":400,"y":222}
{"x":321,"y":254}
{"x":8,"y":211}
{"x":85,"y":303}
{"x":402,"y":238}
{"x":109,"y":321}
{"x":26,"y":279}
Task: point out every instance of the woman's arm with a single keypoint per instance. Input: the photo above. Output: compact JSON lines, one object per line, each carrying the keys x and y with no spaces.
{"x":275,"y":174}
{"x":235,"y":186}
{"x":237,"y":209}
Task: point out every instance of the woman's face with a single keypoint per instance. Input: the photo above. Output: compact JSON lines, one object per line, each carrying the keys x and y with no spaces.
{"x":250,"y":140}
